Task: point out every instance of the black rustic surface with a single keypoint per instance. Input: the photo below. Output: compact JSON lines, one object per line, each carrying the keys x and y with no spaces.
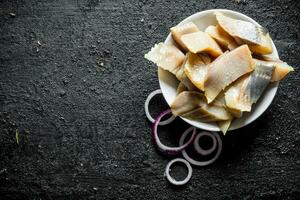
{"x":76,"y":100}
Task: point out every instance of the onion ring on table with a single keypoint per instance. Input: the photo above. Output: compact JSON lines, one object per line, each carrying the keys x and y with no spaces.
{"x":202,"y":163}
{"x":164,"y":148}
{"x":171,"y":179}
{"x":150,"y":118}
{"x":199,"y":149}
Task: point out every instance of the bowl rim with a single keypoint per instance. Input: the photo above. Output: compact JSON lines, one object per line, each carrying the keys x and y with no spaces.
{"x":207,"y":126}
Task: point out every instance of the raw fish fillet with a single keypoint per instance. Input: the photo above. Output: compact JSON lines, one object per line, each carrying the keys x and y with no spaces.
{"x":281,"y":69}
{"x":226,"y":69}
{"x":166,"y":56}
{"x":244,"y":32}
{"x":192,"y":105}
{"x":248,"y":89}
{"x":181,"y":88}
{"x":200,"y":42}
{"x":223,"y":38}
{"x":178,"y":31}
{"x":224,"y":125}
{"x":182,"y":77}
{"x":196,"y":69}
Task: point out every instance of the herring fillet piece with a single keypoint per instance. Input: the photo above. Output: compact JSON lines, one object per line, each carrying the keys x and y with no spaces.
{"x":199,"y":42}
{"x":224,"y":125}
{"x":223,"y":38}
{"x":281,"y":69}
{"x":195,"y":68}
{"x":192,"y":105}
{"x":247,"y":90}
{"x":180,"y":30}
{"x":259,"y":80}
{"x":236,"y":102}
{"x":226,"y":69}
{"x":182,"y":77}
{"x":187,"y":101}
{"x":166,"y":56}
{"x":181,"y":88}
{"x":256,"y":37}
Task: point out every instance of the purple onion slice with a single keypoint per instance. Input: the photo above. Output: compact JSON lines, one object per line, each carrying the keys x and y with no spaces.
{"x":165,"y":149}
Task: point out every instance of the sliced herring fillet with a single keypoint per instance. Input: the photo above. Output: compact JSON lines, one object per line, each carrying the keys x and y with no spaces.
{"x":196,"y":69}
{"x":223,"y":38}
{"x":166,"y":56}
{"x":226,"y":69}
{"x":200,"y":42}
{"x":180,"y":30}
{"x":192,"y":105}
{"x":248,"y":89}
{"x":257,"y":37}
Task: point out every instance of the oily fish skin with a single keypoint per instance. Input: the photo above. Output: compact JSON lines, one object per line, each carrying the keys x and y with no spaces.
{"x":195,"y":68}
{"x":244,"y":32}
{"x":223,"y":38}
{"x":192,"y":105}
{"x":178,"y":31}
{"x":281,"y":69}
{"x":166,"y":56}
{"x":226,"y":69}
{"x":248,"y":89}
{"x":201,"y":42}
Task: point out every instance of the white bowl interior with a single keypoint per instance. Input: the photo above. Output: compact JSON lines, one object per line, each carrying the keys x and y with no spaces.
{"x":168,"y":82}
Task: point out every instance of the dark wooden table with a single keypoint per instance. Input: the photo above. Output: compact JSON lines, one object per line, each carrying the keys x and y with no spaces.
{"x":73,"y":82}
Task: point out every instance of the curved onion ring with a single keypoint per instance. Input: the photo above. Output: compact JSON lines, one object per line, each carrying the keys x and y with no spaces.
{"x":150,"y":96}
{"x":202,"y":163}
{"x":164,"y":148}
{"x":199,"y":149}
{"x":171,"y":179}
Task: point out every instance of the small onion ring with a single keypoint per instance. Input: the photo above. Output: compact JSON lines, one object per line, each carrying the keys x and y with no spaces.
{"x":171,"y":179}
{"x":150,"y":96}
{"x":199,"y":149}
{"x":164,"y":148}
{"x":202,"y":163}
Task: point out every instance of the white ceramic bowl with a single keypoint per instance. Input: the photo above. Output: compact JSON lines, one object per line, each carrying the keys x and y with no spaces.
{"x":168,"y":82}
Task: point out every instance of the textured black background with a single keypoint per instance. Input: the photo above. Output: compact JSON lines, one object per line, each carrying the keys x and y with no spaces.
{"x":82,"y":128}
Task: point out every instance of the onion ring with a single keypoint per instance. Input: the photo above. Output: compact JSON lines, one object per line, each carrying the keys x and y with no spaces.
{"x":199,"y":149}
{"x":171,"y":179}
{"x":150,"y":118}
{"x":202,"y":163}
{"x":164,"y":148}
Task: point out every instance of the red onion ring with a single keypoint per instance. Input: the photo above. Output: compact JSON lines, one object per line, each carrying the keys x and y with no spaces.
{"x":199,"y":149}
{"x":202,"y":163}
{"x":163,"y":148}
{"x":171,"y":179}
{"x":150,"y":96}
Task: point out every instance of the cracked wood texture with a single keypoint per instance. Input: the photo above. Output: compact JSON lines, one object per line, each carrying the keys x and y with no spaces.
{"x":73,"y":82}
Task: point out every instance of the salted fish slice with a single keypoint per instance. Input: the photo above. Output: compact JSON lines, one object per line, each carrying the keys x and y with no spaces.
{"x":192,"y":105}
{"x":180,"y":30}
{"x":223,"y":38}
{"x":226,"y":69}
{"x":166,"y":56}
{"x":224,"y":125}
{"x":181,"y":88}
{"x":248,"y":89}
{"x":256,"y":37}
{"x":281,"y":69}
{"x":200,"y":42}
{"x":259,"y":80}
{"x":182,"y":77}
{"x":187,"y":101}
{"x":196,"y":68}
